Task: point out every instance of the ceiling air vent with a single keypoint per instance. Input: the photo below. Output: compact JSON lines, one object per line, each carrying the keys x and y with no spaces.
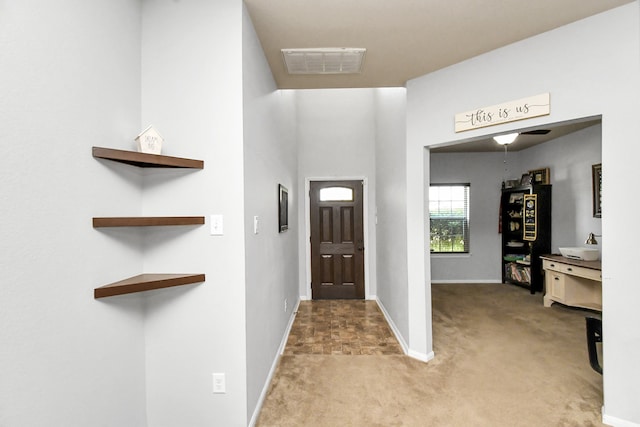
{"x":340,"y":60}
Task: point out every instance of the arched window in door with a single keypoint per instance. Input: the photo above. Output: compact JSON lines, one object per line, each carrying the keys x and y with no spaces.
{"x":336,"y":194}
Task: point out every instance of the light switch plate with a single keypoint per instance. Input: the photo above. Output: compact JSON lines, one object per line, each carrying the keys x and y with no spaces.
{"x":219,"y":383}
{"x":217,"y":225}
{"x":256,"y":223}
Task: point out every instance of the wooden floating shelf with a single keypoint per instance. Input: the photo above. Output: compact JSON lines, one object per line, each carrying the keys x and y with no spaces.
{"x":145,"y":160}
{"x":146,"y":221}
{"x":146,"y":282}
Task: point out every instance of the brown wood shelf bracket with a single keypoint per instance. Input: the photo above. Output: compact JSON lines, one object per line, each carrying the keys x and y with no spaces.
{"x":146,"y":282}
{"x":146,"y":160}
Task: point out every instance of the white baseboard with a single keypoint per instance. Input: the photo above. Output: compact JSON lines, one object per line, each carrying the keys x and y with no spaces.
{"x":292,"y":319}
{"x":274,"y":366}
{"x":423,"y":357}
{"x":405,"y":348}
{"x":617,"y":422}
{"x":394,"y":329}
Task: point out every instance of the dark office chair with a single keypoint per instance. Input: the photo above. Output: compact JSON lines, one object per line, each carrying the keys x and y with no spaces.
{"x":594,"y":336}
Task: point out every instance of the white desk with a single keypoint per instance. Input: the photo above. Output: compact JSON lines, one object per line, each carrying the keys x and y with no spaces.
{"x":572,"y":282}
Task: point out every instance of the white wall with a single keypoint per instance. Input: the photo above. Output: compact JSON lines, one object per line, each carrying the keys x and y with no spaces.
{"x":270,"y":158}
{"x":590,"y":68}
{"x":569,"y":159}
{"x":391,"y":236}
{"x":336,"y":138}
{"x":484,"y":172}
{"x":70,"y":79}
{"x":192,"y":93}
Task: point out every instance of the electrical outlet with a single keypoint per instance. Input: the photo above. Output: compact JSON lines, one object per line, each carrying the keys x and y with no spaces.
{"x":219,"y":383}
{"x":285,"y":305}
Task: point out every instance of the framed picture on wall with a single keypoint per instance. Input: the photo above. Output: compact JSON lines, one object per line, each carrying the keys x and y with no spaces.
{"x":283,"y":208}
{"x":540,"y":176}
{"x":596,"y":176}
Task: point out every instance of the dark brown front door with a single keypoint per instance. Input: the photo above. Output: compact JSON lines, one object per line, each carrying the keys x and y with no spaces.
{"x":337,"y":240}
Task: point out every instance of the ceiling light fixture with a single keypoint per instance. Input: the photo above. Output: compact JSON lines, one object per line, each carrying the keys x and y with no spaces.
{"x":339,"y":60}
{"x":506,"y":139}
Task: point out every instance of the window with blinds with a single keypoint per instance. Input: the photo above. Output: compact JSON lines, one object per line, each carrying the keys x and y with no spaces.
{"x":449,"y":218}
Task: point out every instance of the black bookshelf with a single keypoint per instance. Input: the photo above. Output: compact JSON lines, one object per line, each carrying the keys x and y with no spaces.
{"x":526,"y":234}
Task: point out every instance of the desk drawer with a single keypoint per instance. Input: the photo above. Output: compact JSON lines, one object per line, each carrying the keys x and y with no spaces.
{"x":573,"y":270}
{"x":551,"y":265}
{"x":587,"y":273}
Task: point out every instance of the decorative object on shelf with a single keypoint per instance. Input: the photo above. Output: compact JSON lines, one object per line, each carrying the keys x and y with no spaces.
{"x":150,"y":141}
{"x":530,"y":225}
{"x":540,"y":176}
{"x":525,"y":179}
{"x":517,"y":198}
{"x":596,"y":176}
{"x":283,"y":208}
{"x":580,"y":253}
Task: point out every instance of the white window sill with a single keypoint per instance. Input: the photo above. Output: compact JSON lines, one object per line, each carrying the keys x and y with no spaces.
{"x":451,"y":255}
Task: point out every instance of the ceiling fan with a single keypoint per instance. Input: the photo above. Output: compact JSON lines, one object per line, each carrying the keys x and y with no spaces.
{"x":536,"y":132}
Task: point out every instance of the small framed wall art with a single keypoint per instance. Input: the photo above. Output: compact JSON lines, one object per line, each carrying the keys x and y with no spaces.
{"x":540,"y":176}
{"x":283,"y":208}
{"x":596,"y":177}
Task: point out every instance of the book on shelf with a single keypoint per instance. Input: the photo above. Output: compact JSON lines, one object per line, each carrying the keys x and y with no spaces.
{"x":519,"y":273}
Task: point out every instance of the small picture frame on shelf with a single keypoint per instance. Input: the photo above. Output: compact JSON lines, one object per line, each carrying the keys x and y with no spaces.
{"x":511,"y":183}
{"x":540,"y":176}
{"x":525,"y":179}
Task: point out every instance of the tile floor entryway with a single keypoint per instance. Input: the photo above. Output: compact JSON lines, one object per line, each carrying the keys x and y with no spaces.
{"x":347,"y":327}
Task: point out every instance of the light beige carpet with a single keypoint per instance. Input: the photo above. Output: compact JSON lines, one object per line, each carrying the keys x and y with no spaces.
{"x":502,"y":359}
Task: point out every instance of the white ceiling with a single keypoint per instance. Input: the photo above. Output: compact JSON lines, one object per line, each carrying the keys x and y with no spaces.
{"x":410,"y":38}
{"x":404,"y":38}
